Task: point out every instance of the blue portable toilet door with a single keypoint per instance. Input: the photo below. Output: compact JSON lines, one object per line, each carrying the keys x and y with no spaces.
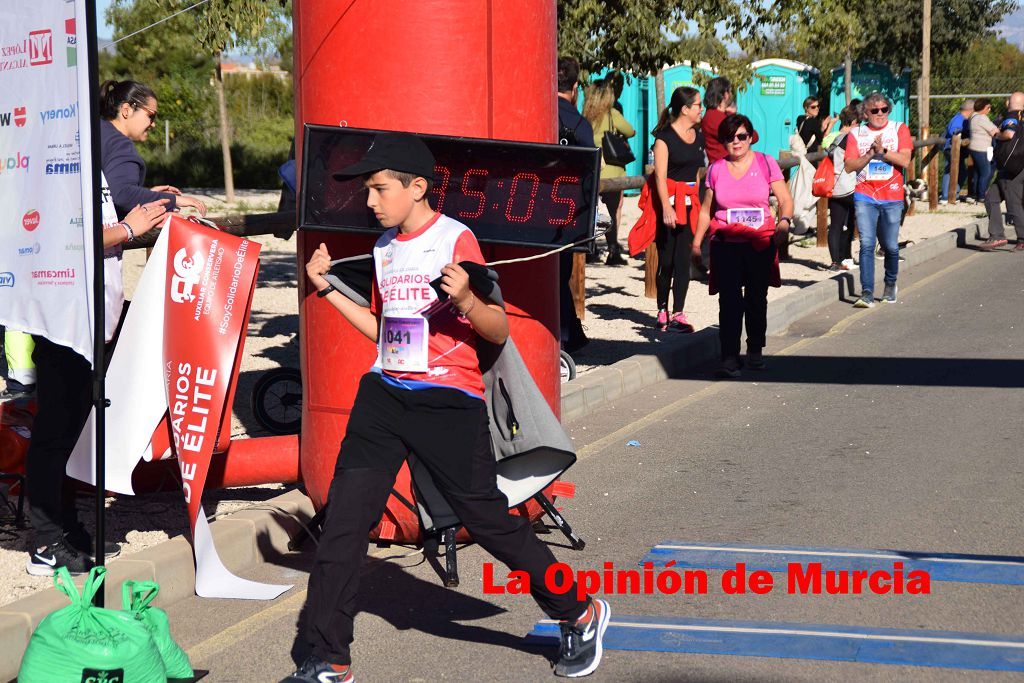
{"x":774,"y":99}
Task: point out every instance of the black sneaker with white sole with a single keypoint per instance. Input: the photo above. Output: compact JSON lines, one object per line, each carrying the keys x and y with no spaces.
{"x":45,"y":561}
{"x":81,"y":540}
{"x":582,"y":644}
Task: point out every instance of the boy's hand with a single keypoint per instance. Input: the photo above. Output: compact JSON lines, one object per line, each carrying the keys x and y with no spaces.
{"x":319,"y":263}
{"x":455,"y":281}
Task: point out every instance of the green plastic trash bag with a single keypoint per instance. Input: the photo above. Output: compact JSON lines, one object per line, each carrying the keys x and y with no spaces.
{"x":82,"y":643}
{"x":136,"y":596}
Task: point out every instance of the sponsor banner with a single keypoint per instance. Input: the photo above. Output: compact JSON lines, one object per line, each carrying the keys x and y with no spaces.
{"x":210,"y":277}
{"x":174,"y":364}
{"x":45,"y":255}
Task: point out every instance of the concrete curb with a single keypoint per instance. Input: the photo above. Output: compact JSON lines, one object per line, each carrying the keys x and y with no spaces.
{"x":262,"y":532}
{"x":618,"y":380}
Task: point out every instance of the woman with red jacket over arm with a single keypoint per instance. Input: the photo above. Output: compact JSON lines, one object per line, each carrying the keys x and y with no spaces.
{"x":743,"y":235}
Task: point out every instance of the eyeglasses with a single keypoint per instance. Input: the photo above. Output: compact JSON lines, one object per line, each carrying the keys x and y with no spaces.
{"x":742,"y":137}
{"x":151,"y":113}
{"x":878,"y":110}
{"x":813,"y":106}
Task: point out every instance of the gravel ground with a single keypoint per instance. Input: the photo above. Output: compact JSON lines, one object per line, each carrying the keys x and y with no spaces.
{"x":618,"y":322}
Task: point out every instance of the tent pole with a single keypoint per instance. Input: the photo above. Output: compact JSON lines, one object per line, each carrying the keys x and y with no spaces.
{"x":99,"y":352}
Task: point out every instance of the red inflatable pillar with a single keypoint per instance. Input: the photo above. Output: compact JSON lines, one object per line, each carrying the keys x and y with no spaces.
{"x":479,"y":68}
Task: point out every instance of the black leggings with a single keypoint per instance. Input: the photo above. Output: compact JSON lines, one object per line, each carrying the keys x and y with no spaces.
{"x":673,"y":264}
{"x":842,"y":220}
{"x":612,"y":200}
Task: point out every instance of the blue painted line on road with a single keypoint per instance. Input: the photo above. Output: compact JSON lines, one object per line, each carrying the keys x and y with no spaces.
{"x":944,"y":649}
{"x":940,"y":566}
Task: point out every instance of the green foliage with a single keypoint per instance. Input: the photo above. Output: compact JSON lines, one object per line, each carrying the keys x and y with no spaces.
{"x":169,"y":58}
{"x":641,"y":36}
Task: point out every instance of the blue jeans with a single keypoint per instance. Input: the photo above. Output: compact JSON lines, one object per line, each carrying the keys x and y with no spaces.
{"x":982,"y":174}
{"x":879,"y":222}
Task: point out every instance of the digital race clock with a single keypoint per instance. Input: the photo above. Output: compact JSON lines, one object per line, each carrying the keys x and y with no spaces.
{"x":507,"y":192}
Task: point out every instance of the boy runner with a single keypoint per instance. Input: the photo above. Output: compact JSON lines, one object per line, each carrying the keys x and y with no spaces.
{"x":423,"y":395}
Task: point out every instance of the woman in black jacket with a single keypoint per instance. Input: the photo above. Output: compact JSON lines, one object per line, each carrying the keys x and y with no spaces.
{"x":128,"y":110}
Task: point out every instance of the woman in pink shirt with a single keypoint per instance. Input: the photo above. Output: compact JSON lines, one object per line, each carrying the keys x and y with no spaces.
{"x":736,"y":213}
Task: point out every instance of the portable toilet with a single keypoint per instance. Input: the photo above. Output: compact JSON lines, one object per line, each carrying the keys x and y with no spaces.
{"x":634,"y":108}
{"x":869,"y":77}
{"x":774,"y":98}
{"x":675,"y":77}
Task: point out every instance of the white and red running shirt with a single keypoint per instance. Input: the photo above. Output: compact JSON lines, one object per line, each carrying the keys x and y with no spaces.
{"x":879,"y":181}
{"x":413,"y":352}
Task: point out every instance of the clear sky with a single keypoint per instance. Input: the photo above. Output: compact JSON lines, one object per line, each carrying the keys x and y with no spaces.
{"x":105,"y":30}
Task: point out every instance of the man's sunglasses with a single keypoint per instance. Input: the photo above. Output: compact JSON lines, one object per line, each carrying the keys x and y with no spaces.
{"x":742,"y":137}
{"x":878,"y":110}
{"x":151,"y":113}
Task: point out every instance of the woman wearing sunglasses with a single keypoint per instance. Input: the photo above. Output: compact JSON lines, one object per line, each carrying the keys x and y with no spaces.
{"x":877,"y":152}
{"x":128,"y":111}
{"x":743,"y":234}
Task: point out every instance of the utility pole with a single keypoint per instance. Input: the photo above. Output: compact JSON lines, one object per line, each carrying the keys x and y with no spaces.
{"x":848,"y":77}
{"x":924,"y":89}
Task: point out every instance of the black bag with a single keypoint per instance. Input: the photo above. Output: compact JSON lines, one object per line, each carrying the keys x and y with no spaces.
{"x":615,"y":148}
{"x":1009,"y":154}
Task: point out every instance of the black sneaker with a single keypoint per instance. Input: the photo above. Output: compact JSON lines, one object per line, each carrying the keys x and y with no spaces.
{"x":81,"y":540}
{"x":581,"y":648}
{"x":615,"y":259}
{"x":729,"y":369}
{"x":316,"y":670}
{"x":44,"y":561}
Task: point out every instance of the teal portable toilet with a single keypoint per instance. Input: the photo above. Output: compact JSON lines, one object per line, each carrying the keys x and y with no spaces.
{"x":869,"y":77}
{"x":634,"y":108}
{"x":774,"y":98}
{"x":675,"y":77}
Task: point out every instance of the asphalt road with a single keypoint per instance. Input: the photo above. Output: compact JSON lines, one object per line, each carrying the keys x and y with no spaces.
{"x":892,"y":428}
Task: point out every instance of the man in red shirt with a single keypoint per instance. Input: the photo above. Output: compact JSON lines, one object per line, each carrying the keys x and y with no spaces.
{"x":877,"y":152}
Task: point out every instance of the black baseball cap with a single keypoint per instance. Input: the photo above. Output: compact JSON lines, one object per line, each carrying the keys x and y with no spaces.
{"x":402,"y":152}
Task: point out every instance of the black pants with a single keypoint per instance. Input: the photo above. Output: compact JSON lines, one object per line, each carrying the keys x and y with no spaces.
{"x":742,"y":274}
{"x":1010,"y":191}
{"x":569,"y":321}
{"x":448,"y":432}
{"x":612,"y":200}
{"x":674,"y":246}
{"x":842,"y":220}
{"x":64,"y":396}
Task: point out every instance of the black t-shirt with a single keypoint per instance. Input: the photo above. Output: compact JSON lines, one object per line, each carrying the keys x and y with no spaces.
{"x":683,"y":158}
{"x":809,"y":128}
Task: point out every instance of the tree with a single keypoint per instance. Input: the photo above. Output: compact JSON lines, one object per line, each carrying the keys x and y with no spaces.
{"x":223,"y":24}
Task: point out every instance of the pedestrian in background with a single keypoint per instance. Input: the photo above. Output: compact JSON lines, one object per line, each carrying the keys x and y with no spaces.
{"x":737,"y":215}
{"x":980,"y":146}
{"x":956,"y":126}
{"x":718,"y":97}
{"x":678,"y":154}
{"x":573,"y":129}
{"x":842,"y":218}
{"x":877,"y":152}
{"x":812,"y":127}
{"x":1009,"y":185}
{"x":599,"y":110}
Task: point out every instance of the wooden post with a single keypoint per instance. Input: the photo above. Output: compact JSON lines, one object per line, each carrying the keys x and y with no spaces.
{"x":822,"y":222}
{"x":784,"y":249}
{"x":933,"y":181}
{"x":651,"y":271}
{"x":954,"y":171}
{"x":578,"y":283}
{"x":912,"y":175}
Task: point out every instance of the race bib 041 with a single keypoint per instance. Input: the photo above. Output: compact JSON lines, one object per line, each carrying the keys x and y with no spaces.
{"x":403,"y":344}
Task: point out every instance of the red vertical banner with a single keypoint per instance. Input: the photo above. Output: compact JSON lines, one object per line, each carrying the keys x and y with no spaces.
{"x":210,"y":279}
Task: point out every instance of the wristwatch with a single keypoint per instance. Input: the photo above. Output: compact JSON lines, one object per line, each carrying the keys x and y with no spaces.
{"x":326,"y":290}
{"x":788,"y":219}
